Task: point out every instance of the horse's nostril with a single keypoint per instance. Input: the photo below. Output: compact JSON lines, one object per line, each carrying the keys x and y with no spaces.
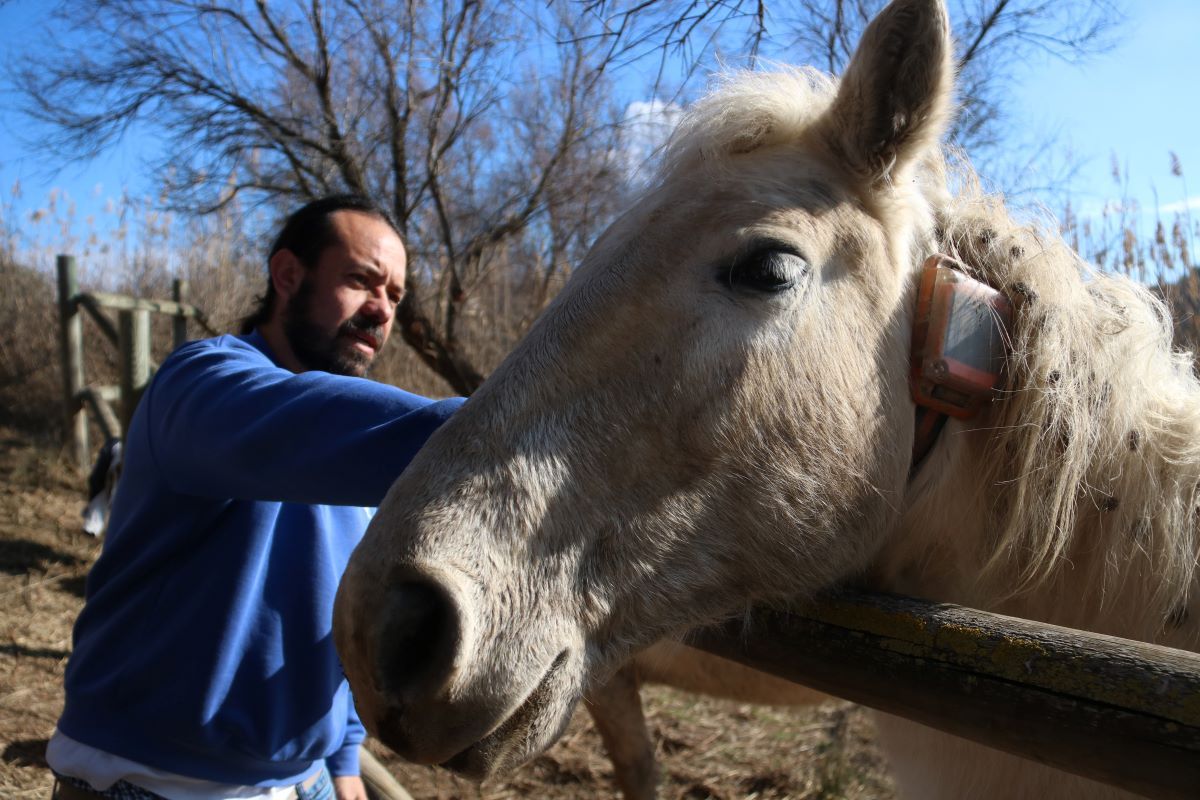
{"x":418,"y":638}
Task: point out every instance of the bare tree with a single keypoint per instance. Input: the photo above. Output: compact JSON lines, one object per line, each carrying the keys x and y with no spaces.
{"x":994,"y":38}
{"x":460,"y":115}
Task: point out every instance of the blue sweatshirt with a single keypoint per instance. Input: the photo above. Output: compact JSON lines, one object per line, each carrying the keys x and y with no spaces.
{"x":205,"y":645}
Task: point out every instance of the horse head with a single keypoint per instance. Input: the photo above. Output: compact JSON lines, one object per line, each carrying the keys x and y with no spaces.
{"x":714,"y":412}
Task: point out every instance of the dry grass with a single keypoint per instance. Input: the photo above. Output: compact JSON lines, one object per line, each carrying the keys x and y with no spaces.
{"x":1153,"y":246}
{"x":43,"y":560}
{"x":30,"y":380}
{"x":708,"y":748}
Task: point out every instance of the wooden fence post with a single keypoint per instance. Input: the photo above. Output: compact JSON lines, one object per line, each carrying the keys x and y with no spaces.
{"x":134,"y":341}
{"x":179,"y":292}
{"x":71,"y":342}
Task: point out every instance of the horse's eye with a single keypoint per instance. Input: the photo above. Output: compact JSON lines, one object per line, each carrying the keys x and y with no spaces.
{"x":766,"y":270}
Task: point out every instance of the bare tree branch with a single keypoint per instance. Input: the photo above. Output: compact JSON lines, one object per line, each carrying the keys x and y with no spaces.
{"x":408,"y":102}
{"x":996,"y":35}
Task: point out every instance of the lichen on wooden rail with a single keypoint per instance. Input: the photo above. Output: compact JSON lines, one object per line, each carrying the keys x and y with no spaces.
{"x":1137,"y":675}
{"x":1110,"y":709}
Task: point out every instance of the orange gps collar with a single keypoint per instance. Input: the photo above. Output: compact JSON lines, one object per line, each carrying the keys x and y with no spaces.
{"x":959,"y":347}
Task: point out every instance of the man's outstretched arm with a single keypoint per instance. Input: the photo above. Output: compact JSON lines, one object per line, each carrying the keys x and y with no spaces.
{"x":222,"y":421}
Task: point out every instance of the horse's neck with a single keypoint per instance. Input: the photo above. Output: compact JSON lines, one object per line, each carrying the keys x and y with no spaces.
{"x":939,"y":533}
{"x":943,"y":543}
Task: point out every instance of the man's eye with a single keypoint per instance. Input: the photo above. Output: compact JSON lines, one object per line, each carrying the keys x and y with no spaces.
{"x":766,"y":270}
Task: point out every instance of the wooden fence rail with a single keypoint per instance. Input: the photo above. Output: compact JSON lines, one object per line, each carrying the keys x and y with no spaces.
{"x":1113,"y":710}
{"x":130,"y":334}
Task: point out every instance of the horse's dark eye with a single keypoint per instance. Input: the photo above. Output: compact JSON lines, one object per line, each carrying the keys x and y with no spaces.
{"x":766,"y":270}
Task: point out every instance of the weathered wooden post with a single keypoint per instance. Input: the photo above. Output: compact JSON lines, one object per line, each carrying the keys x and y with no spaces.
{"x":71,"y":342}
{"x":134,"y":341}
{"x":1108,"y":709}
{"x":179,"y":290}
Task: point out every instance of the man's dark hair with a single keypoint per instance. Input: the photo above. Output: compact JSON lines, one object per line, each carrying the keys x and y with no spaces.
{"x":307,"y":232}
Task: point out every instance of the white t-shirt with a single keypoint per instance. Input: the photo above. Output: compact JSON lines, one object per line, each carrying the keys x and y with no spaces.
{"x":78,"y":760}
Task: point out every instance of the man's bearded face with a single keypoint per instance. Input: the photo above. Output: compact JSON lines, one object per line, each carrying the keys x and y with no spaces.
{"x":322,"y":349}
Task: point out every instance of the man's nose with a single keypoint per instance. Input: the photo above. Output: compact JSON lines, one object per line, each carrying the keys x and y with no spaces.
{"x":379,"y":308}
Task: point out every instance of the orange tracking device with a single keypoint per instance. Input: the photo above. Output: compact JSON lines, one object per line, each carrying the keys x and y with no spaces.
{"x":960,"y":339}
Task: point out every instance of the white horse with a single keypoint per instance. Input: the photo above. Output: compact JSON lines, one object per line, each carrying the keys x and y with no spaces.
{"x":716,"y":412}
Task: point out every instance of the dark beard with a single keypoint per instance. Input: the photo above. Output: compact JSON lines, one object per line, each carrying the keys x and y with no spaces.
{"x":315,"y":348}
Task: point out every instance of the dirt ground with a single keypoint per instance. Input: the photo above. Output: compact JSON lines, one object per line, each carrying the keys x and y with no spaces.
{"x":707,"y":748}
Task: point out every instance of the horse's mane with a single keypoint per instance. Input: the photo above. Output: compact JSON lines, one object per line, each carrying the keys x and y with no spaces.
{"x":1094,"y":452}
{"x":1092,"y":464}
{"x":743,"y":112}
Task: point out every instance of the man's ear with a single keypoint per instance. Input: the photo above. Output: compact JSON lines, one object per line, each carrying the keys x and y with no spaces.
{"x":894,"y":101}
{"x":287,"y":273}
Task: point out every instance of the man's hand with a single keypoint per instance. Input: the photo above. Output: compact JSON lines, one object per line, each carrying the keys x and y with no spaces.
{"x":349,"y":787}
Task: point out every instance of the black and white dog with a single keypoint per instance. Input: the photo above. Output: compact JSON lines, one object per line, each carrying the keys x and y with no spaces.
{"x":102,"y":487}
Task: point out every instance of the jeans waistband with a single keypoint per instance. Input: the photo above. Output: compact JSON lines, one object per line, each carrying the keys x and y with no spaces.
{"x":316,"y":787}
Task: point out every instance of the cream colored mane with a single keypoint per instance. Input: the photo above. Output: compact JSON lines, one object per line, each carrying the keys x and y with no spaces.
{"x":1080,"y":489}
{"x":1092,"y":453}
{"x":743,"y":112}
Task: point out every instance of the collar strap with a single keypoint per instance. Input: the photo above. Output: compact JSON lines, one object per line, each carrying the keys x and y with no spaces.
{"x":960,"y":343}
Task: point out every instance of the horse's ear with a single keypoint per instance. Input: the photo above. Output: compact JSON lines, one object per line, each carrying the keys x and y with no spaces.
{"x":894,"y":98}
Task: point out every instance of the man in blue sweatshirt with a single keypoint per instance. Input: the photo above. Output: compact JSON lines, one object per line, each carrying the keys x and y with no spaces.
{"x":203,"y":663}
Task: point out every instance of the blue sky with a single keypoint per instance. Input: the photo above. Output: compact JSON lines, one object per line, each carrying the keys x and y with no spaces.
{"x":1135,"y":104}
